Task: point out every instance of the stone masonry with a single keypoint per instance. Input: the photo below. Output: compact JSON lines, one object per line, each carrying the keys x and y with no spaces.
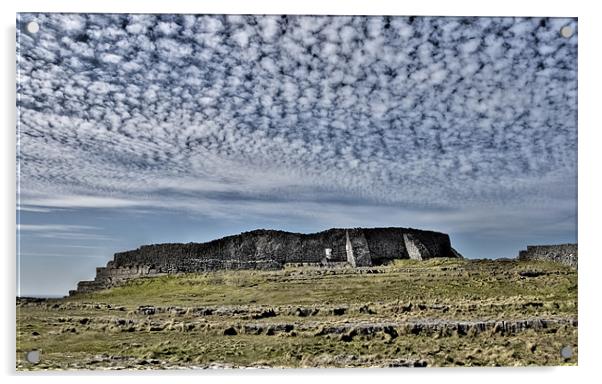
{"x":416,"y":250}
{"x":271,"y":249}
{"x":562,"y":253}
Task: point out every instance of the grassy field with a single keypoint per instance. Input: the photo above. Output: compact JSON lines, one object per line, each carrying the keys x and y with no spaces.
{"x":440,"y":312}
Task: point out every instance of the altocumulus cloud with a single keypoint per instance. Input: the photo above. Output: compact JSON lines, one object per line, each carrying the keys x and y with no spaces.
{"x":461,"y":119}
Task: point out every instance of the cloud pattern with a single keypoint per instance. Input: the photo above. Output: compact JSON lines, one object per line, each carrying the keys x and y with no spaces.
{"x":214,"y":113}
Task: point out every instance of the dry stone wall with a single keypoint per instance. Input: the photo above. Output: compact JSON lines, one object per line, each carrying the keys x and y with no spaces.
{"x":562,"y":253}
{"x":270,"y":249}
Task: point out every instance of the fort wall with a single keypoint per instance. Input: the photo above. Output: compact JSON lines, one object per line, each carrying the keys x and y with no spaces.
{"x":270,"y":249}
{"x":562,"y":253}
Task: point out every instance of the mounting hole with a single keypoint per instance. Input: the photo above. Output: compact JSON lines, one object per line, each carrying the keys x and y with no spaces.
{"x":566,"y":352}
{"x":33,"y":27}
{"x":33,"y":357}
{"x":566,"y":31}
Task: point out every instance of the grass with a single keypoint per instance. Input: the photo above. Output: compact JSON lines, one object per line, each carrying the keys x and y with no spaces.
{"x":105,"y":329}
{"x":429,"y":280}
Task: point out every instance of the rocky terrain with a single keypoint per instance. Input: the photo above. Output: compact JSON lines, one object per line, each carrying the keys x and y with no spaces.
{"x":436,"y":312}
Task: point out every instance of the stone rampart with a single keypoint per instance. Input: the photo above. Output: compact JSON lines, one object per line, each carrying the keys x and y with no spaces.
{"x":561,"y":253}
{"x":270,"y":249}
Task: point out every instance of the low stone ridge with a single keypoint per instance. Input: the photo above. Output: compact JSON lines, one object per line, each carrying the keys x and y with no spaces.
{"x":561,"y":253}
{"x":271,"y":249}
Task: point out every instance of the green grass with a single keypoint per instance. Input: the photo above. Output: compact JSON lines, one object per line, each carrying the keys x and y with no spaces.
{"x":79,"y":334}
{"x":429,"y":280}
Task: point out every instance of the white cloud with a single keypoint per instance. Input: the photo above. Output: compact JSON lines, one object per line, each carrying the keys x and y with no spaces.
{"x":471,"y":45}
{"x":269,"y":27}
{"x":52,"y":227}
{"x":110,"y":58}
{"x":256,"y":109}
{"x":82,"y":201}
{"x":173,"y":50}
{"x":167,"y":28}
{"x":135,"y":28}
{"x":241,"y":37}
{"x":100,"y":87}
{"x":73,"y":22}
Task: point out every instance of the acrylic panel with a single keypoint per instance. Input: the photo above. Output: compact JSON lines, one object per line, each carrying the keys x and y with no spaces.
{"x":230,"y":191}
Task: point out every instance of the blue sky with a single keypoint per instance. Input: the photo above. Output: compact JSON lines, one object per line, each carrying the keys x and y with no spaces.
{"x":137,"y":129}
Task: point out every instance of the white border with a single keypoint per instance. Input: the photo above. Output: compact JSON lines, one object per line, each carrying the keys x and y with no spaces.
{"x":316,"y":7}
{"x":590,"y":191}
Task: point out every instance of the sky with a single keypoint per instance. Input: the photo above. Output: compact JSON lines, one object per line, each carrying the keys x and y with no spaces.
{"x":141,"y":129}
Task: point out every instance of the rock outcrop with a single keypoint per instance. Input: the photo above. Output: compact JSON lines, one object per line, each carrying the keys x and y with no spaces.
{"x":270,"y":249}
{"x":562,"y":253}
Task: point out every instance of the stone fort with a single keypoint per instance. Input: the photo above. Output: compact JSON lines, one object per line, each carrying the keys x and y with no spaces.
{"x":271,"y":249}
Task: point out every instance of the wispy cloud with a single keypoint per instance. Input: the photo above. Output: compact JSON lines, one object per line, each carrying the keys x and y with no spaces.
{"x":52,"y":227}
{"x":80,"y":201}
{"x":59,"y":255}
{"x":61,"y":231}
{"x":29,"y":208}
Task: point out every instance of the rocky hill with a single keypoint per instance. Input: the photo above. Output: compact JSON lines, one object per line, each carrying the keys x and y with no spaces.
{"x":271,"y":249}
